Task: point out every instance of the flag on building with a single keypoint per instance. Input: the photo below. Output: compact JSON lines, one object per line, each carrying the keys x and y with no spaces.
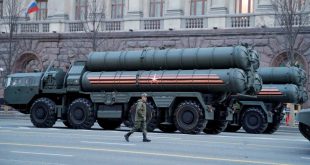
{"x":32,"y":7}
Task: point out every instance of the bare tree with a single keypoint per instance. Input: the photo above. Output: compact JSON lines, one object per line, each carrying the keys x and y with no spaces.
{"x":94,"y":20}
{"x":12,"y":10}
{"x":92,"y":17}
{"x":291,"y":16}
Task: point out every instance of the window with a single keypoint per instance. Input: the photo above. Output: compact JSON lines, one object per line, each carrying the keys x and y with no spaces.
{"x":156,"y":8}
{"x":42,"y":13}
{"x":1,"y":8}
{"x":244,"y":6}
{"x":117,"y":8}
{"x":198,"y":7}
{"x":301,"y":5}
{"x":23,"y":81}
{"x":81,"y":9}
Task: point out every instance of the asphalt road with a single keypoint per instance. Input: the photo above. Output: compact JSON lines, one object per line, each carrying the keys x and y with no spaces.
{"x":23,"y":144}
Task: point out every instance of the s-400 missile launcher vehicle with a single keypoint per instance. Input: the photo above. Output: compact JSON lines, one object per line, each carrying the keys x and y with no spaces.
{"x":264,"y":113}
{"x":187,"y":88}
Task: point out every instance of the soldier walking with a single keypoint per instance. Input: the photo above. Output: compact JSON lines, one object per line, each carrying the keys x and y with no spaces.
{"x":140,"y":119}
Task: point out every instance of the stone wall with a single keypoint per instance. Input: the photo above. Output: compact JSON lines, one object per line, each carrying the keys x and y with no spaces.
{"x":43,"y":48}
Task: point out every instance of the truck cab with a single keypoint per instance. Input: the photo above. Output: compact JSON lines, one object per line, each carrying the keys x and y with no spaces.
{"x":20,"y":88}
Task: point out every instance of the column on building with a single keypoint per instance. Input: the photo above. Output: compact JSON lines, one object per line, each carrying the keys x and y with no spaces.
{"x":217,"y":8}
{"x":58,"y":13}
{"x":133,"y":15}
{"x":264,"y":17}
{"x":173,"y":13}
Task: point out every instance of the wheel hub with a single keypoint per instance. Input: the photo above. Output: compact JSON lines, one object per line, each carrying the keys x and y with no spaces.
{"x":40,"y":113}
{"x":253,"y":121}
{"x":187,"y":117}
{"x":78,"y":114}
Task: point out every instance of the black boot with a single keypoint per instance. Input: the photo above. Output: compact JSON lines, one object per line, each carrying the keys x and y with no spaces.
{"x":145,"y":139}
{"x":127,"y":136}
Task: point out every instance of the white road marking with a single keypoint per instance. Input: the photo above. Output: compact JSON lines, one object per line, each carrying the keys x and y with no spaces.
{"x":147,"y":153}
{"x":23,"y":128}
{"x":32,"y":162}
{"x":53,"y":129}
{"x":262,"y":138}
{"x":122,"y":144}
{"x":170,"y":138}
{"x":305,"y":158}
{"x":37,"y":153}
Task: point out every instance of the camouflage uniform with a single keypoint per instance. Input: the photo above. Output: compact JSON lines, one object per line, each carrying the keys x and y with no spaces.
{"x":140,"y":117}
{"x":140,"y":121}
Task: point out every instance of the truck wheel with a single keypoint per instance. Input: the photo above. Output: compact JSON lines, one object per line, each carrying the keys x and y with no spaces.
{"x":304,"y":130}
{"x":167,"y":128}
{"x":254,"y":121}
{"x":151,"y":116}
{"x":215,"y":127}
{"x":274,"y":126}
{"x":109,"y":124}
{"x":81,"y":114}
{"x":67,"y":124}
{"x":189,"y":118}
{"x":232,"y":128}
{"x":42,"y":113}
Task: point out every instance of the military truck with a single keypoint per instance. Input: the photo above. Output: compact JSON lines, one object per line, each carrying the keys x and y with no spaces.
{"x":304,"y":123}
{"x":263,"y":114}
{"x":186,"y":88}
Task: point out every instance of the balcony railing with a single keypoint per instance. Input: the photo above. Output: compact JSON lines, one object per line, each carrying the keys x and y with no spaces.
{"x":112,"y":25}
{"x":28,"y":27}
{"x":76,"y":27}
{"x":296,"y":20}
{"x":46,"y":27}
{"x":190,"y":22}
{"x":241,"y":21}
{"x":194,"y":22}
{"x":153,"y":24}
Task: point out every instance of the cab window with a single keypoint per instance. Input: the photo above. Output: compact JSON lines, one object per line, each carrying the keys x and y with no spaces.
{"x":24,"y":81}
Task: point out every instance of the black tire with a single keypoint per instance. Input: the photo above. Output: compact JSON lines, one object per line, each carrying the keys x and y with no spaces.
{"x":42,"y":113}
{"x":167,"y":128}
{"x":232,"y":128}
{"x":274,"y":126}
{"x":254,"y":121}
{"x":109,"y":124}
{"x":304,"y":130}
{"x":151,"y":117}
{"x":189,"y":118}
{"x":81,"y":114}
{"x":215,"y":127}
{"x":67,"y":124}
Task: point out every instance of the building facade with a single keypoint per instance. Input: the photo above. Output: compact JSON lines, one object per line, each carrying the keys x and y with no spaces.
{"x":137,"y":15}
{"x":62,"y":29}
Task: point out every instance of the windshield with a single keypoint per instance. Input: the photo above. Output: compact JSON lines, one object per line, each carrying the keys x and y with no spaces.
{"x":22,"y":81}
